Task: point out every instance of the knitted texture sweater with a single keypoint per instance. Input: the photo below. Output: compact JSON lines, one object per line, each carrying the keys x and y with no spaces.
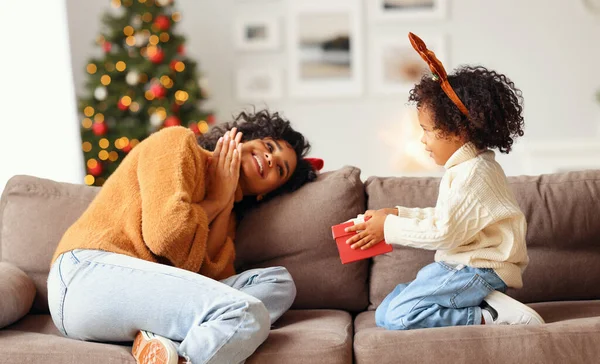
{"x":149,"y":209}
{"x":476,"y":220}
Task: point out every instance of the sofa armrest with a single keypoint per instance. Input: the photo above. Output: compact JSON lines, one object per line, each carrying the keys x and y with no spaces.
{"x":17,"y":292}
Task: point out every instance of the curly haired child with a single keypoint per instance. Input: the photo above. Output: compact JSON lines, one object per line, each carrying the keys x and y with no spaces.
{"x":476,"y":226}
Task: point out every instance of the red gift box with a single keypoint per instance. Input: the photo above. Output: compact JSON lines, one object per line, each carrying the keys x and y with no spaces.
{"x":349,"y":255}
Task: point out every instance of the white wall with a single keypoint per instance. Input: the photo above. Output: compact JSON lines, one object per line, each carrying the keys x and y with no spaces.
{"x":38,"y":124}
{"x":550,"y":48}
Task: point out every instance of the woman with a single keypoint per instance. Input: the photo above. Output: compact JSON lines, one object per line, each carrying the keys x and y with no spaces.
{"x":128,"y":267}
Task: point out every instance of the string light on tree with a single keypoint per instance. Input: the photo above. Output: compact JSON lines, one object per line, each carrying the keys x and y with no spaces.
{"x":132,"y":78}
{"x":100,"y":93}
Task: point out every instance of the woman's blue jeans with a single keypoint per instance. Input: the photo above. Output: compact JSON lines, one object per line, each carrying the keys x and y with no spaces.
{"x":101,"y":296}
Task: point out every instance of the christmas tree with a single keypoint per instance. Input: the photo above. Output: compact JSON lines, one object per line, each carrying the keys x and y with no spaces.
{"x":142,"y":83}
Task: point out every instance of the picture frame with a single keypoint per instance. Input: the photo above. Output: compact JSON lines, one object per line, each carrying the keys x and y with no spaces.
{"x":395,"y":66}
{"x":325,"y":49}
{"x":256,"y":33}
{"x":258,"y":84}
{"x":394,"y":10}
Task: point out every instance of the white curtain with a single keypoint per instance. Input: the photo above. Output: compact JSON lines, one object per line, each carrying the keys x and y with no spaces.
{"x":39,"y":132}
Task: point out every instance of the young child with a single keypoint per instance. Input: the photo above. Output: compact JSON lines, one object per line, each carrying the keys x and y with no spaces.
{"x":476,"y":226}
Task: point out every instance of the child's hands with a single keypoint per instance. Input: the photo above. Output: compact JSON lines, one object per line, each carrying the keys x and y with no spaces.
{"x":372,"y":231}
{"x":387,"y":211}
{"x":224,"y":168}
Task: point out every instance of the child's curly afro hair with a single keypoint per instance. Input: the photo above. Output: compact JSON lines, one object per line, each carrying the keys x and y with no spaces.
{"x":495,"y":107}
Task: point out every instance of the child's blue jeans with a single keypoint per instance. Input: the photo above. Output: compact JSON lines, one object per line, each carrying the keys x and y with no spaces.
{"x":441,"y":295}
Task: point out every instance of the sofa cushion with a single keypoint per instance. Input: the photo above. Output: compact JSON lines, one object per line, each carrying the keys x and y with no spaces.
{"x":570,"y":335}
{"x":34,"y":214}
{"x":17,"y":292}
{"x":294,"y":231}
{"x":35,"y":339}
{"x":563,"y":234}
{"x":304,"y":336}
{"x":308,"y":336}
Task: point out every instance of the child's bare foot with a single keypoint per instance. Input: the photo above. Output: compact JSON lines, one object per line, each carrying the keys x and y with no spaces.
{"x":151,"y":348}
{"x":499,"y":309}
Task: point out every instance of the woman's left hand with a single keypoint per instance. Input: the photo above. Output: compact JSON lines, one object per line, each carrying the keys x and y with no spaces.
{"x":371,"y":234}
{"x":224,"y":169}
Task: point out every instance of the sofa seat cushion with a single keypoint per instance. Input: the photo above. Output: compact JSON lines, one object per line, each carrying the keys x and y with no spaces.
{"x":570,"y":335}
{"x":300,"y":336}
{"x":308,"y":336}
{"x":35,"y":339}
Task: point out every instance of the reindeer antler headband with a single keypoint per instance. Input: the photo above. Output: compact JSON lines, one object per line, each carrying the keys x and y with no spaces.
{"x":439,"y":73}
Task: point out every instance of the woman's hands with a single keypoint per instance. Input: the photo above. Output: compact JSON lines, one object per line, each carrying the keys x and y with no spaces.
{"x":372,"y":229}
{"x":223,"y":170}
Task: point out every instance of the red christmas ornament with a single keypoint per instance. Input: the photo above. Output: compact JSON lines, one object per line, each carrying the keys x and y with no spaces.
{"x":158,"y":91}
{"x":96,"y":171}
{"x":122,"y":106}
{"x":107,"y":46}
{"x":99,"y":129}
{"x":172,"y":121}
{"x":162,"y":22}
{"x":127,"y":148}
{"x":181,"y":49}
{"x":172,"y":64}
{"x":210,"y":119}
{"x":194,"y":128}
{"x":157,"y":57}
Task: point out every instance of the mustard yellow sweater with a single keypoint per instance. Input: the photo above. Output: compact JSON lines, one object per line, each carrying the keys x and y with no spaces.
{"x":149,"y":209}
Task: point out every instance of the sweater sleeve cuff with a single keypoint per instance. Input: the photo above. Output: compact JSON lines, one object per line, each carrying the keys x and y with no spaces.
{"x":390,"y":231}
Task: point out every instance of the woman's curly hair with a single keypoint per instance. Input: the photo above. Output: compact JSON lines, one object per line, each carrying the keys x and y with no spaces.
{"x":259,"y":125}
{"x":495,"y":107}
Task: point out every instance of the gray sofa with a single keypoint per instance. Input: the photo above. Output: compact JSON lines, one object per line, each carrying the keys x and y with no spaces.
{"x":332,"y":319}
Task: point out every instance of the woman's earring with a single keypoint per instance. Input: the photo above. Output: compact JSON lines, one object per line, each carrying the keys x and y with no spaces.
{"x":259,"y":198}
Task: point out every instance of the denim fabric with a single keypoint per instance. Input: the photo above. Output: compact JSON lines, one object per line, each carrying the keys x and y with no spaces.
{"x":441,"y":295}
{"x":101,"y":296}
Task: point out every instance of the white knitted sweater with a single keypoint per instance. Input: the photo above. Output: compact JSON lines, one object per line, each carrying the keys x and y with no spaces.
{"x":476,"y":220}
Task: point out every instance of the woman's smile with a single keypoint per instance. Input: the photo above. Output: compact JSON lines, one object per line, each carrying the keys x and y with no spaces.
{"x":259,"y":164}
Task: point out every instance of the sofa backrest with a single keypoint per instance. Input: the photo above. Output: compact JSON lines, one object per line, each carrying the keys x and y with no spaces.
{"x":292,"y":230}
{"x":295,"y":231}
{"x":563,"y":234}
{"x":34,"y":214}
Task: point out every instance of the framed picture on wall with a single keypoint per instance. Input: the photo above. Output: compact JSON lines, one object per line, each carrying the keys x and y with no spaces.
{"x":258,"y":84}
{"x":395,"y":66}
{"x":325,"y":47}
{"x":406,"y":9}
{"x":256,"y":33}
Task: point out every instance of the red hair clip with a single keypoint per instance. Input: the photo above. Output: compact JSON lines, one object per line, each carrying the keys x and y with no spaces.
{"x":316,"y":163}
{"x":437,"y":68}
